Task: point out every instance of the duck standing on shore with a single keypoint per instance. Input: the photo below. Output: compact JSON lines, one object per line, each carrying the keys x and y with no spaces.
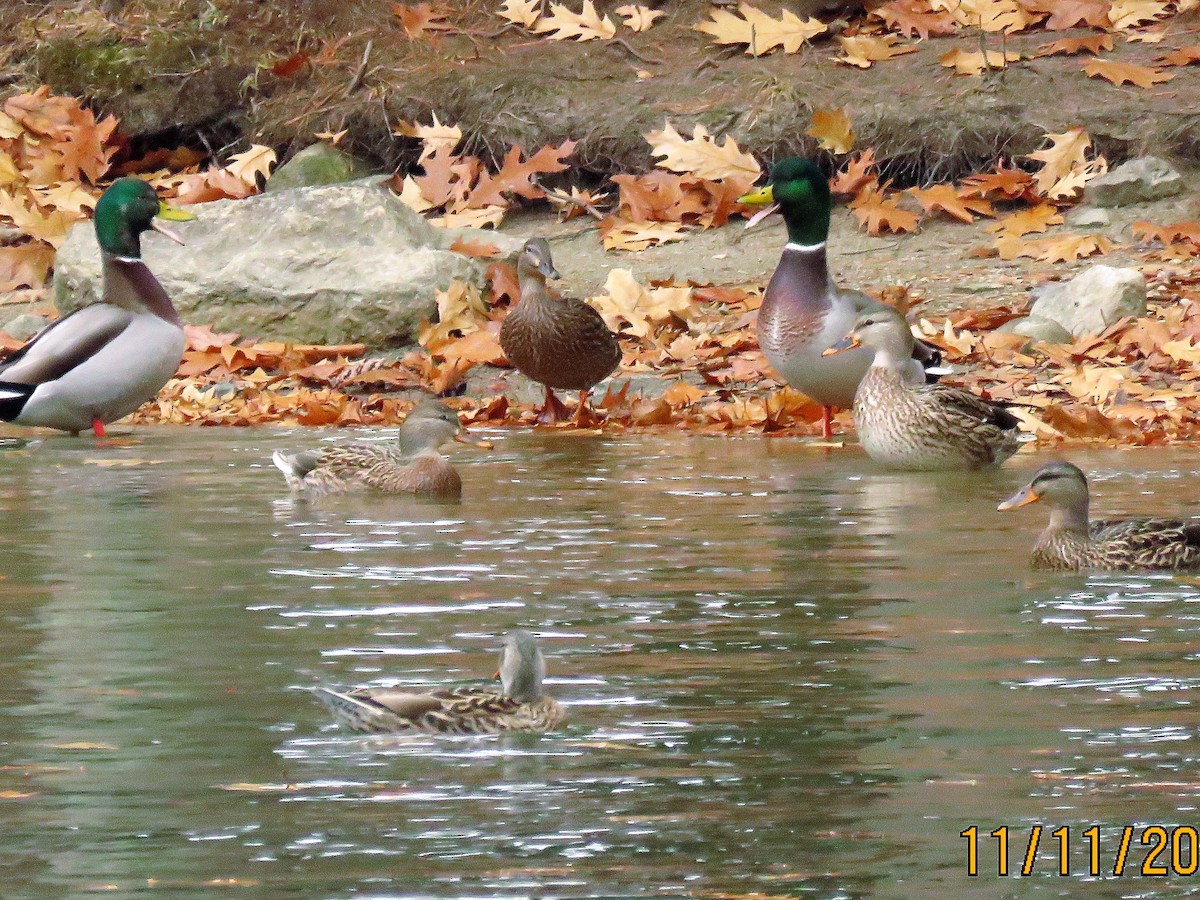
{"x":105,"y":360}
{"x":558,"y":341}
{"x":803,"y":312}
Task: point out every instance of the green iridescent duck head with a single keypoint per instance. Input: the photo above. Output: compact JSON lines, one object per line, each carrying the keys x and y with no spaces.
{"x":802,"y":192}
{"x":126,"y":210}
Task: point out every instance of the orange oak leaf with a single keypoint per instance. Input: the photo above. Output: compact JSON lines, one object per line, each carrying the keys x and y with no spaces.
{"x":1184,"y":56}
{"x":1065,"y":14}
{"x":855,"y":174}
{"x":946,"y":198}
{"x":1001,"y":184}
{"x":1119,"y":73}
{"x":1092,"y":43}
{"x":25,"y":265}
{"x":832,"y":129}
{"x":422,"y":20}
{"x":516,"y":175}
{"x":915,"y":18}
{"x":1167,"y":234}
{"x":863,"y":50}
{"x":1034,"y":220}
{"x":880,"y":213}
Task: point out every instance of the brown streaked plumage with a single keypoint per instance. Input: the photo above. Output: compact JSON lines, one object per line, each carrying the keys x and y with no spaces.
{"x":560,"y":342}
{"x":920,"y":426}
{"x":413,"y":465}
{"x":519,"y":706}
{"x":1072,"y":542}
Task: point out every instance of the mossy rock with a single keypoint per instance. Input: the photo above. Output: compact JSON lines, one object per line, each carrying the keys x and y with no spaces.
{"x":315,"y":165}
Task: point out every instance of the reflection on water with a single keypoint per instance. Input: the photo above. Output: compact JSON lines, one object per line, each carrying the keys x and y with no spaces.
{"x":786,"y":672}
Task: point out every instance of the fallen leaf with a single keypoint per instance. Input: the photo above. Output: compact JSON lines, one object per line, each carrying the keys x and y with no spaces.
{"x":433,"y":137}
{"x":758,"y":31}
{"x":832,"y":129}
{"x":634,"y":236}
{"x":248,"y":165}
{"x":1035,"y":220}
{"x":1065,"y":164}
{"x":974,"y":62}
{"x":1184,"y":56}
{"x":25,"y":265}
{"x":880,"y":213}
{"x":1065,"y":14}
{"x":1092,"y":43}
{"x":638,"y":18}
{"x":422,"y":19}
{"x":1131,"y":13}
{"x":946,"y":198}
{"x":586,"y":25}
{"x":521,"y":12}
{"x":863,"y":50}
{"x":1119,"y":73}
{"x":915,"y":18}
{"x":701,"y":154}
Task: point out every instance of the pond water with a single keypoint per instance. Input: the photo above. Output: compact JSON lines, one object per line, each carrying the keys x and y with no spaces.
{"x":787,"y":672}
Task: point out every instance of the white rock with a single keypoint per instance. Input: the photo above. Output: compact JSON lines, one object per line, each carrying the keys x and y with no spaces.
{"x":1092,"y":300}
{"x":334,"y":264}
{"x":1137,"y":181}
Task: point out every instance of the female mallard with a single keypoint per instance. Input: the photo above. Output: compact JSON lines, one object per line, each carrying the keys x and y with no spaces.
{"x":561,"y":342}
{"x":519,"y":706}
{"x":105,"y":360}
{"x":413,"y":465}
{"x":1070,"y":542}
{"x":803,"y":312}
{"x":920,"y":426}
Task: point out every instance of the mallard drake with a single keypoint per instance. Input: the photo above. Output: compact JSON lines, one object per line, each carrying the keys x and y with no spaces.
{"x":1071,"y":542}
{"x":559,"y":341}
{"x":920,"y":426}
{"x":520,"y":705}
{"x":803,"y":312}
{"x":413,"y":465}
{"x":105,"y":360}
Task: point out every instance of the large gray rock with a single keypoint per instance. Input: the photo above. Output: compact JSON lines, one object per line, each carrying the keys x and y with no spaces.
{"x":1137,"y":181}
{"x":315,"y":165}
{"x":1092,"y":300}
{"x":337,"y":264}
{"x":1038,"y":329}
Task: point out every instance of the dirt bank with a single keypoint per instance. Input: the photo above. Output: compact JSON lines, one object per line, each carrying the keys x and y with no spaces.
{"x":213,"y":74}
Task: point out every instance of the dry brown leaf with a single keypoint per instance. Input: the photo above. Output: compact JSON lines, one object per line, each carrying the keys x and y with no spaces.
{"x":433,"y":137}
{"x":915,"y":18}
{"x":950,"y":201}
{"x":1131,"y":13}
{"x":1184,"y":56}
{"x":625,"y":301}
{"x":247,"y":166}
{"x":422,"y":19}
{"x":1035,"y":220}
{"x":25,"y":265}
{"x":1119,"y":73}
{"x":633,"y":236}
{"x":880,"y":213}
{"x":759,"y":32}
{"x":832,"y":129}
{"x":638,"y":18}
{"x":974,"y":62}
{"x":701,"y":154}
{"x":521,"y":12}
{"x":863,"y":50}
{"x":1092,"y":43}
{"x":1065,"y":166}
{"x":563,"y":24}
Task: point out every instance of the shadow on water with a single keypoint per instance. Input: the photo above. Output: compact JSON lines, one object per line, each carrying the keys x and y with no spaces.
{"x":786,"y":672}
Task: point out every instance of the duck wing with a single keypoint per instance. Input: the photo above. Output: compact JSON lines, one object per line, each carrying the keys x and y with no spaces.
{"x":66,"y":344}
{"x":964,"y":403}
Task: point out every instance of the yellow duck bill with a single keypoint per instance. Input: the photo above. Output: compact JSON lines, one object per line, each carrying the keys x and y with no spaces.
{"x":849,"y":342}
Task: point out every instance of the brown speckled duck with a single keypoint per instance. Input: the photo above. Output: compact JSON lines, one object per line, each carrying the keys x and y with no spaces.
{"x":1071,"y":542}
{"x":803,"y":312}
{"x":561,"y":342}
{"x":520,"y":705}
{"x":920,"y":426}
{"x":413,"y":465}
